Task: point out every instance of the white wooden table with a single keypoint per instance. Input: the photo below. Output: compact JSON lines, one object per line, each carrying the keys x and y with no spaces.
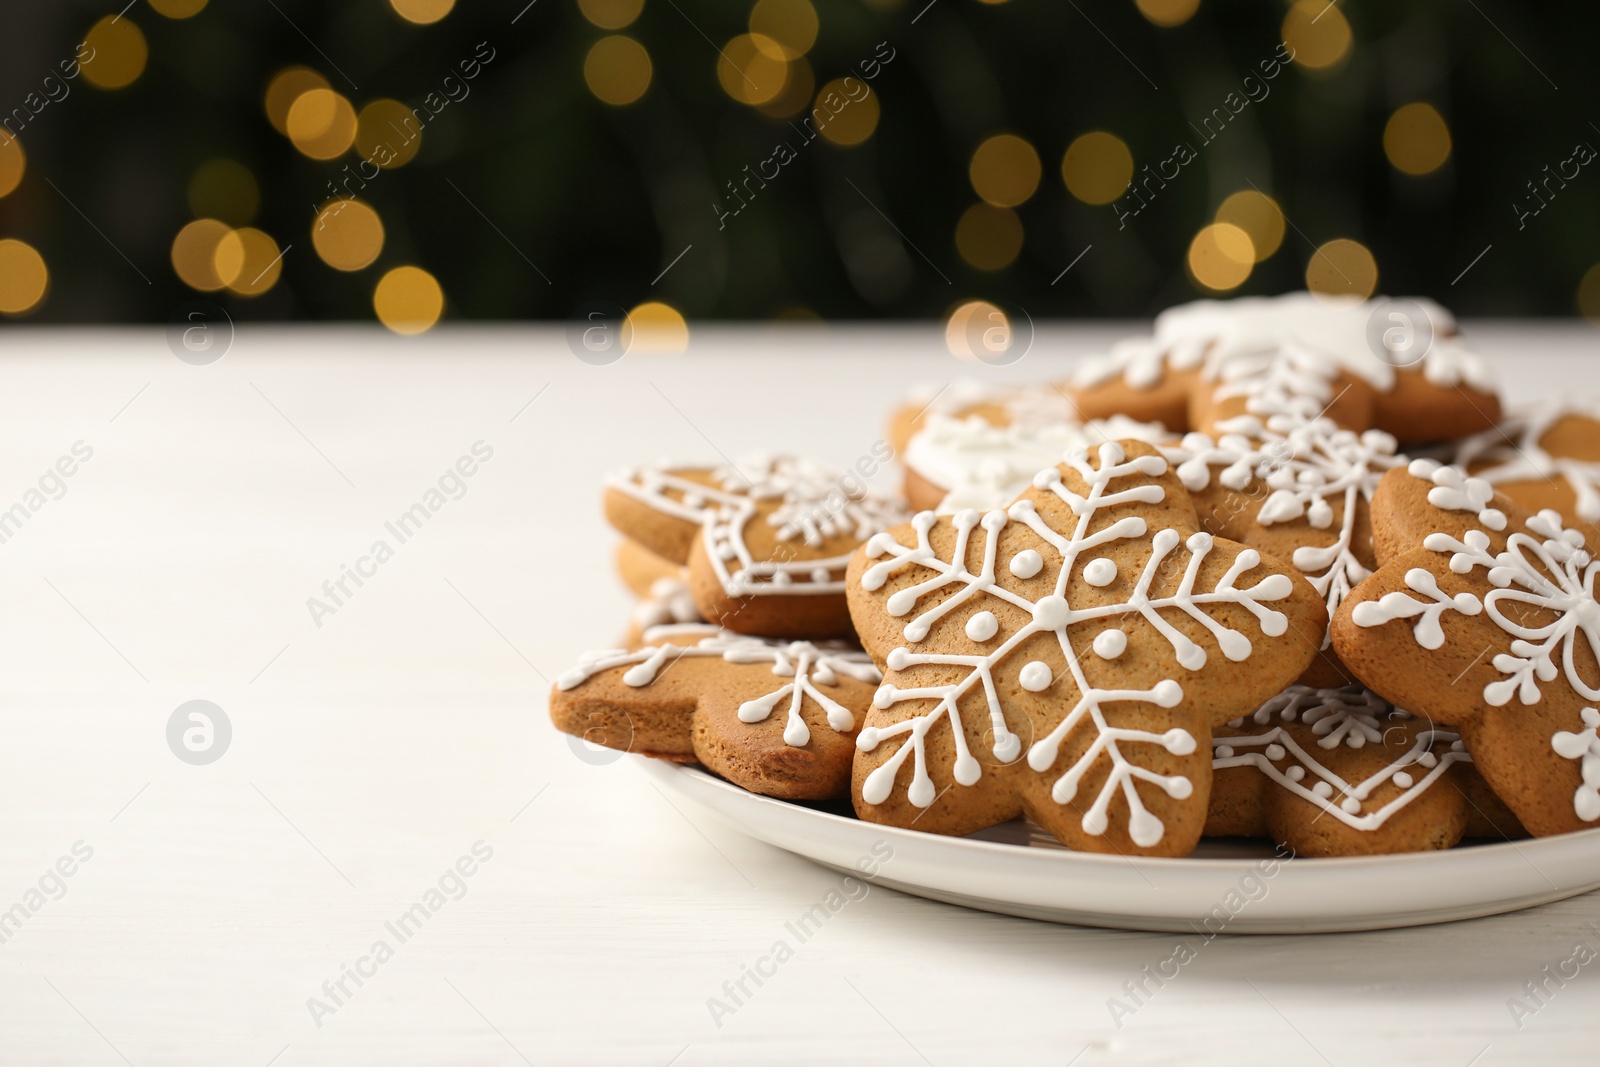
{"x":370,"y":753}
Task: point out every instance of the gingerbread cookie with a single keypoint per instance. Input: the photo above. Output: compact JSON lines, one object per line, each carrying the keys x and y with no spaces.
{"x":1544,"y":457}
{"x":667,"y":603}
{"x":1338,"y":772}
{"x":1033,"y":406}
{"x":1067,"y":657}
{"x":1146,"y":379}
{"x":1395,"y":365}
{"x":639,"y":568}
{"x":1484,"y":617}
{"x":766,"y":541}
{"x":1298,"y":491}
{"x":778,"y":718}
{"x":953,"y":464}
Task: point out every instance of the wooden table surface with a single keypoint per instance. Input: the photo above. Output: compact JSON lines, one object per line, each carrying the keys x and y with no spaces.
{"x":212,"y":910}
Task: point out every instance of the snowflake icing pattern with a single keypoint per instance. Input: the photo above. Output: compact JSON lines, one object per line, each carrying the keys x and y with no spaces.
{"x":1053,"y":614}
{"x":1303,"y":465}
{"x":806,"y":665}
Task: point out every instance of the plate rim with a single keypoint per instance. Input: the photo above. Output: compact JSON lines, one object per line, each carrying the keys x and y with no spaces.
{"x":1436,"y":858}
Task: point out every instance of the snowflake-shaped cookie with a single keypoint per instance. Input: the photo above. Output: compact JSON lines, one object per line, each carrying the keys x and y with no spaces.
{"x":1068,"y":656}
{"x":1338,"y":772}
{"x":1489,"y":623}
{"x":777,"y":717}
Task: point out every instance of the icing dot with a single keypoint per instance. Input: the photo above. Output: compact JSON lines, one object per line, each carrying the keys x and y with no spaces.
{"x":1223,"y":751}
{"x":1428,"y":760}
{"x":1403,"y":780}
{"x":1099,"y":572}
{"x":1457,"y":746}
{"x":820,"y":574}
{"x":1036,"y":676}
{"x":1051,"y":612}
{"x":1294,"y":774}
{"x":1109,"y":644}
{"x":1027,"y":563}
{"x":1275,"y":752}
{"x":982,"y":626}
{"x":1323,"y":790}
{"x":1350,"y":805}
{"x":782,"y":578}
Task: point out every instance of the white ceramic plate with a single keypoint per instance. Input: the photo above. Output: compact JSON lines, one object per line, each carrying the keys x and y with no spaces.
{"x":1224,"y":888}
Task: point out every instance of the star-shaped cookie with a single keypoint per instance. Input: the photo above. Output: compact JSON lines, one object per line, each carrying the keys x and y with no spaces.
{"x":1067,"y":657}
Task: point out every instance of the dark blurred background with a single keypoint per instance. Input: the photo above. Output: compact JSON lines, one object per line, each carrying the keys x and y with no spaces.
{"x":507,"y":160}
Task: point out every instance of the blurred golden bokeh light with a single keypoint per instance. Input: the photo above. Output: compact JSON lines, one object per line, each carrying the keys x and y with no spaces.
{"x":611,"y":14}
{"x":322,"y":124}
{"x":989,"y":237}
{"x":178,"y":9}
{"x":422,"y":12}
{"x":118,"y":53}
{"x":791,"y":24}
{"x":248,"y":261}
{"x":1097,"y":167}
{"x":1005,"y":170}
{"x":1318,"y":33}
{"x":194,"y":254}
{"x":347,"y":234}
{"x":13,"y":163}
{"x":654,"y":327}
{"x":1343,"y":267}
{"x":1416,"y":139}
{"x":1168,"y":12}
{"x":1589,"y":294}
{"x":617,"y":70}
{"x":387,"y":134}
{"x":752,"y":68}
{"x":796,"y":95}
{"x":224,"y":189}
{"x":287,"y":86}
{"x":1259,"y":216}
{"x":853,"y":121}
{"x":980,"y":320}
{"x":23,"y":277}
{"x":1221,"y":256}
{"x":408,"y":300}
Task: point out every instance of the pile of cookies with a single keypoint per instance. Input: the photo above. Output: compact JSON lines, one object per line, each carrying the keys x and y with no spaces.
{"x":1282,"y":569}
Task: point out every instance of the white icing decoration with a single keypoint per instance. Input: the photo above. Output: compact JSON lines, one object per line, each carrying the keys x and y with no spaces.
{"x":1298,"y":467}
{"x":1514,"y":452}
{"x":983,"y":466}
{"x":1027,"y":563}
{"x":1035,"y":676}
{"x":804,"y":665}
{"x":1100,"y":572}
{"x":1332,"y":333}
{"x":1109,"y":644}
{"x":1347,"y":717}
{"x":669,"y":602}
{"x":1053,"y":613}
{"x":1453,"y":490}
{"x":982,"y":626}
{"x":1583,"y":745}
{"x":813,"y":507}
